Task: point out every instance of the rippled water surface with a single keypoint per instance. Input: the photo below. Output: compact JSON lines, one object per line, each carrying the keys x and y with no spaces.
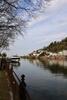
{"x":44,"y":81}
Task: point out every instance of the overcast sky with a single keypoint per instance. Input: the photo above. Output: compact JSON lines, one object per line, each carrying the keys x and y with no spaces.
{"x":49,"y":26}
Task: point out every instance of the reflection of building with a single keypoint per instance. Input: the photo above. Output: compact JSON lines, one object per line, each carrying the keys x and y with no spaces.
{"x":15,"y":59}
{"x":58,"y":62}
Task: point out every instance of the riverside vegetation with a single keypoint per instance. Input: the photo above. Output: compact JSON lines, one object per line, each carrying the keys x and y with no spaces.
{"x":54,"y":48}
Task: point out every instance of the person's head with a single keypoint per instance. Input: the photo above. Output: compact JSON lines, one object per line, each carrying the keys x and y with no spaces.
{"x":22,"y":77}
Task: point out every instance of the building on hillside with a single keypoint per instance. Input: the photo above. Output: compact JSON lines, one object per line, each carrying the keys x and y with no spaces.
{"x":63,"y":53}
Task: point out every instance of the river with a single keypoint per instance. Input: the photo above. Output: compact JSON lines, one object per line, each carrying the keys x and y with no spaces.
{"x":44,"y":81}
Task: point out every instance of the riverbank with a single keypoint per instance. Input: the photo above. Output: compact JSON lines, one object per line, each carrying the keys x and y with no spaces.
{"x":5,"y":90}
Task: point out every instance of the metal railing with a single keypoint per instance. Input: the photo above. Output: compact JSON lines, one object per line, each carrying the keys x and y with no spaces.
{"x":14,"y":84}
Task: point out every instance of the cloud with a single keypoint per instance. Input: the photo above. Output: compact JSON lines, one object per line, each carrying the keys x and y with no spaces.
{"x":38,"y":19}
{"x":54,"y":7}
{"x":45,"y":28}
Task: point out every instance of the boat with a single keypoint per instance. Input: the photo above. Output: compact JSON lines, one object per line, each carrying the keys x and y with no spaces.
{"x":15,"y":59}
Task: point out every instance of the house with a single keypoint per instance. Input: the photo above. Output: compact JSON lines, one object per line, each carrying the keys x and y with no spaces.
{"x":63,"y":54}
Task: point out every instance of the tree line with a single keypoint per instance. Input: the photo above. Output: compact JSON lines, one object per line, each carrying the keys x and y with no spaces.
{"x":57,"y":46}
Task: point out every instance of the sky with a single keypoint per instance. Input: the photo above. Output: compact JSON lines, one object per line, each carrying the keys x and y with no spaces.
{"x":49,"y":26}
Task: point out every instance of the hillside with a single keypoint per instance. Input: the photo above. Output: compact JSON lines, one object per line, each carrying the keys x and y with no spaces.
{"x":57,"y":46}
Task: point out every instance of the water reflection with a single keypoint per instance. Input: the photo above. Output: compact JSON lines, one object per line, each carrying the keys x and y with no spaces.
{"x":44,"y":80}
{"x":35,"y":62}
{"x":57,"y":67}
{"x":15,"y":64}
{"x":58,"y":62}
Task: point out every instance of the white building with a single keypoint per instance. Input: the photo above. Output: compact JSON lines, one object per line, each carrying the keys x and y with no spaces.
{"x":64,"y":52}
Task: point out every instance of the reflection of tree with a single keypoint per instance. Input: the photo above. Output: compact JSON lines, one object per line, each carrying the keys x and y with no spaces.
{"x":55,"y":68}
{"x":31,"y":61}
{"x":16,"y":64}
{"x":35,"y":62}
{"x":58,"y":69}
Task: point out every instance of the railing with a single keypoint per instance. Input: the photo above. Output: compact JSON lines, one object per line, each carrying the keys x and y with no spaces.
{"x":13,"y":78}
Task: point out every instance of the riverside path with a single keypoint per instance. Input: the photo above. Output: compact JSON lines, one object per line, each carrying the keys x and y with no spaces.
{"x":5,"y":91}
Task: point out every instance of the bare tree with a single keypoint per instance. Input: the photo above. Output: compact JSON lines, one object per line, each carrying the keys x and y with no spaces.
{"x":11,"y":23}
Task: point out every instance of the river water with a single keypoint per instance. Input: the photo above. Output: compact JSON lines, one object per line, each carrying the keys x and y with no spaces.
{"x":45,"y":81}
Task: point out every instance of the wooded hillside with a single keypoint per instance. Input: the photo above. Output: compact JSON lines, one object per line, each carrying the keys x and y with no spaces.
{"x":57,"y":46}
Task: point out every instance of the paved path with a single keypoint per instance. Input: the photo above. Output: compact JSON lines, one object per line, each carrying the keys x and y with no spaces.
{"x":4,"y":87}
